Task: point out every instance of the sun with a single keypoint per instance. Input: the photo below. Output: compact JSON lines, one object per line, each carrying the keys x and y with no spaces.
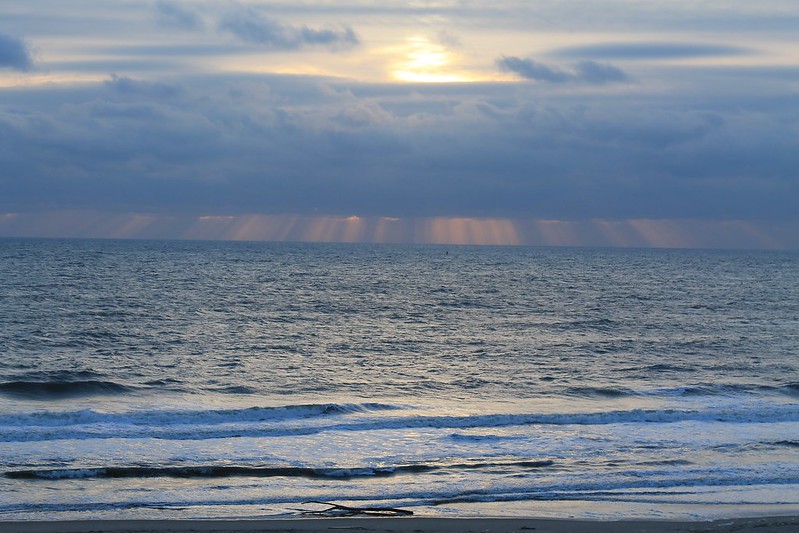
{"x":426,"y":62}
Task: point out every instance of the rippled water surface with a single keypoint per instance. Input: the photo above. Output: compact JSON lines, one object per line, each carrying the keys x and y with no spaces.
{"x":184,"y":379}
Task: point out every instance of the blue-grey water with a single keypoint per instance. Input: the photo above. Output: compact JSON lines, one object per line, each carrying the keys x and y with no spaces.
{"x":197,"y":379}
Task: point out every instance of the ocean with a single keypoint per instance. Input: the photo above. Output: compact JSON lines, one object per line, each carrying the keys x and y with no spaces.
{"x":157,"y":379}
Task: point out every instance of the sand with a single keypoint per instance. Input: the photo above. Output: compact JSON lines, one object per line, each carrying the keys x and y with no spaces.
{"x":788,"y":524}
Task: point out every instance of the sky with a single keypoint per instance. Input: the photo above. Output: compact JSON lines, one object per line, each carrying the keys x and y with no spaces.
{"x":658,"y":123}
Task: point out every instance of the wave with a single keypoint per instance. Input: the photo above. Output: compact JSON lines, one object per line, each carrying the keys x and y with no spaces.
{"x":600,"y":392}
{"x":729,"y":389}
{"x":233,"y":389}
{"x":695,"y":390}
{"x":791,"y":389}
{"x":60,"y":384}
{"x":214,"y":471}
{"x":662,"y":367}
{"x":168,"y":418}
{"x":320,"y":418}
{"x":620,"y":487}
{"x":49,"y":390}
{"x":482,"y":438}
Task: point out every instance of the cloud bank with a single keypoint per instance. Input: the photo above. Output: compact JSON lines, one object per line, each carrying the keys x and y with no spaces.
{"x":650,"y":50}
{"x":14,"y":53}
{"x":304,"y":145}
{"x":585,"y":71}
{"x":252,"y":27}
{"x":177,"y":15}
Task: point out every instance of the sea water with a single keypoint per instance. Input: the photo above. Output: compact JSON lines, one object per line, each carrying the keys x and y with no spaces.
{"x":145,"y":379}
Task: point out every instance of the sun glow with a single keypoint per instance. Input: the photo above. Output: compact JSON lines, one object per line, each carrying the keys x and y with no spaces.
{"x":426,"y":62}
{"x":13,"y":80}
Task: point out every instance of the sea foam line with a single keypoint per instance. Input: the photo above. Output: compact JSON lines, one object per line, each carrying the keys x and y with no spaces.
{"x":187,"y":417}
{"x":608,"y":487}
{"x":201,"y":425}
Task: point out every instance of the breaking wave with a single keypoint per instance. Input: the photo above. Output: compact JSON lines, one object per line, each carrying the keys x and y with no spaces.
{"x":257,"y":471}
{"x":50,"y":390}
{"x":314,"y":419}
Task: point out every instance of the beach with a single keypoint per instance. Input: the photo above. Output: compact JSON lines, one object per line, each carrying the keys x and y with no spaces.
{"x":399,"y":266}
{"x":401,"y":525}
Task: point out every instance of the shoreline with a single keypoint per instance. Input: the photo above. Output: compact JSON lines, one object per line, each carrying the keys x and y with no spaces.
{"x":776,"y":524}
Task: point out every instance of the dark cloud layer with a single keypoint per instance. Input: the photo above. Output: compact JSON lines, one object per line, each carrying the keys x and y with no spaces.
{"x":598,"y":73}
{"x":176,"y":15}
{"x":14,"y":53}
{"x":584,"y":71}
{"x":646,"y":50}
{"x":304,"y":145}
{"x":533,"y":70}
{"x":252,"y":27}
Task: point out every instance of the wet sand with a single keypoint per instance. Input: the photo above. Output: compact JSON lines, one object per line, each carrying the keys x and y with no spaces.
{"x":788,"y":524}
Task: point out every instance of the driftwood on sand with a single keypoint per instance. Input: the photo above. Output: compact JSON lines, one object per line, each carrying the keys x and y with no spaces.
{"x":335,"y":509}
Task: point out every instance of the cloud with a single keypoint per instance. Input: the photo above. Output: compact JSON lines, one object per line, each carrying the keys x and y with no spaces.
{"x":589,"y":72}
{"x":176,"y":15}
{"x":126,"y":85}
{"x":533,"y":70}
{"x":14,"y":53}
{"x":192,"y":125}
{"x":252,"y":27}
{"x":649,"y":50}
{"x":449,"y":40}
{"x":286,"y":144}
{"x":598,"y":73}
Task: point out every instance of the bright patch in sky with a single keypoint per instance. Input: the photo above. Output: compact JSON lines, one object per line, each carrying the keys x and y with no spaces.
{"x":426,"y":62}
